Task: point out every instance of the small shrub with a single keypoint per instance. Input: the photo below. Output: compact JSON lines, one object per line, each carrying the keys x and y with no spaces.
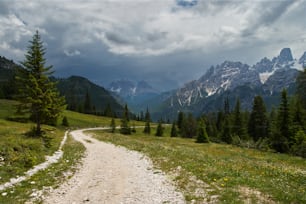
{"x":65,"y":122}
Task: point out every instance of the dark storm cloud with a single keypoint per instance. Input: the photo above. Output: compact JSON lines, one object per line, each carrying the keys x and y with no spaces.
{"x":166,"y":42}
{"x":267,"y":13}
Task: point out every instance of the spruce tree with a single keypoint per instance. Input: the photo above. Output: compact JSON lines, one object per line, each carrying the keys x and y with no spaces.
{"x":65,"y":122}
{"x":37,"y":94}
{"x":159,"y":129}
{"x":301,"y":87}
{"x":113,"y":125}
{"x":125,"y":127}
{"x":226,"y":135}
{"x":202,"y":136}
{"x":147,"y":129}
{"x":87,"y":104}
{"x":180,"y":119}
{"x":173,"y":130}
{"x":238,"y":128}
{"x":189,"y":127}
{"x":283,"y":119}
{"x":258,"y":122}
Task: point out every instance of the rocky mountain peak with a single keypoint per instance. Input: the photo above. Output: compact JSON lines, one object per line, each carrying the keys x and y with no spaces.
{"x":302,"y":60}
{"x":285,"y":56}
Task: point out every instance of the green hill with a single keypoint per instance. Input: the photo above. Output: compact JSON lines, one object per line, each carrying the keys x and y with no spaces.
{"x":75,"y":89}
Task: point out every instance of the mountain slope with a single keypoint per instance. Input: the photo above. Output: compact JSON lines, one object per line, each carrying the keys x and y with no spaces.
{"x":133,"y":93}
{"x":235,"y":79}
{"x":75,"y":88}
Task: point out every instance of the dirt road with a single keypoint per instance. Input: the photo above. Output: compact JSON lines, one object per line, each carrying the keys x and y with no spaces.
{"x":112,"y":174}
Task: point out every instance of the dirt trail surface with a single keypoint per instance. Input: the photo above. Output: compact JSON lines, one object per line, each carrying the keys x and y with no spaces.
{"x":111,"y":174}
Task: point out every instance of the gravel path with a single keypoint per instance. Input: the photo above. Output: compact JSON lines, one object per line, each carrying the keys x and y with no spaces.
{"x":112,"y":174}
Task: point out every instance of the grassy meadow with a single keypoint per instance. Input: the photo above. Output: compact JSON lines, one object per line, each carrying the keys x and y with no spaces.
{"x":220,"y":173}
{"x":212,"y":172}
{"x":19,"y":152}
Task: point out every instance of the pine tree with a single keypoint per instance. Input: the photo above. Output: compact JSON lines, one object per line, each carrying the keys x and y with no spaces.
{"x":189,"y":127}
{"x":283,"y":119}
{"x":226,"y":106}
{"x":173,"y":130}
{"x":202,"y":136}
{"x":258,"y":122}
{"x":238,"y":128}
{"x":125,"y":127}
{"x":180,"y":119}
{"x":301,"y":87}
{"x":87,"y":104}
{"x":159,"y":129}
{"x":113,"y":125}
{"x":147,"y":129}
{"x":37,"y":94}
{"x":126,"y":113}
{"x":226,"y":135}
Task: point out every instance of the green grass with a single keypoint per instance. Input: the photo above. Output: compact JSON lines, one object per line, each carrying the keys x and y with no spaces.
{"x":21,"y":152}
{"x":205,"y":172}
{"x":52,"y":176}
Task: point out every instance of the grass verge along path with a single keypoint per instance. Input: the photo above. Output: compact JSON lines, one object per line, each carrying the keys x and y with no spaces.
{"x":221,"y":173}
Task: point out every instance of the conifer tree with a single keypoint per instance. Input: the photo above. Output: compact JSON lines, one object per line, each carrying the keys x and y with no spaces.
{"x":301,"y":87}
{"x":189,"y":127}
{"x":113,"y":125}
{"x":87,"y":103}
{"x":125,"y":127}
{"x":283,"y":119}
{"x":65,"y":122}
{"x":202,"y":136}
{"x":258,"y":122}
{"x":37,"y":94}
{"x":238,"y":128}
{"x":180,"y":119}
{"x":173,"y":130}
{"x":159,"y":129}
{"x":226,"y":135}
{"x":147,"y":129}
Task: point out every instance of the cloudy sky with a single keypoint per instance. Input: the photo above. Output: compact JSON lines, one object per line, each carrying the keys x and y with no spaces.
{"x":166,"y":42}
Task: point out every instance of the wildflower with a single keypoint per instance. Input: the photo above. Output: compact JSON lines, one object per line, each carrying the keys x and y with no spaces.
{"x":222,"y":184}
{"x":225,"y":179}
{"x":4,"y":194}
{"x":215,"y":179}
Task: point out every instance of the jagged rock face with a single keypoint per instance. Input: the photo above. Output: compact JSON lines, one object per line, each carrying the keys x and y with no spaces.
{"x":302,"y":60}
{"x":123,"y":87}
{"x":285,"y":56}
{"x":269,"y":76}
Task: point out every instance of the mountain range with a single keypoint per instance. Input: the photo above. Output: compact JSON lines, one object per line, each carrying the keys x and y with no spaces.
{"x":228,"y":80}
{"x":132,"y":93}
{"x":232,"y":80}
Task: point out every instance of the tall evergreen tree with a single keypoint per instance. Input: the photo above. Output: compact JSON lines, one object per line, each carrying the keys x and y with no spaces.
{"x":301,"y":87}
{"x":202,"y":136}
{"x":226,"y":135}
{"x":258,"y":122}
{"x":113,"y":125}
{"x":87,"y":103}
{"x":283,"y":120}
{"x":159,"y":129}
{"x":147,"y":129}
{"x":189,"y":127}
{"x":126,"y":113}
{"x":238,"y":127}
{"x":180,"y":120}
{"x":125,"y":127}
{"x":173,"y":130}
{"x":226,"y":106}
{"x":37,"y":94}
